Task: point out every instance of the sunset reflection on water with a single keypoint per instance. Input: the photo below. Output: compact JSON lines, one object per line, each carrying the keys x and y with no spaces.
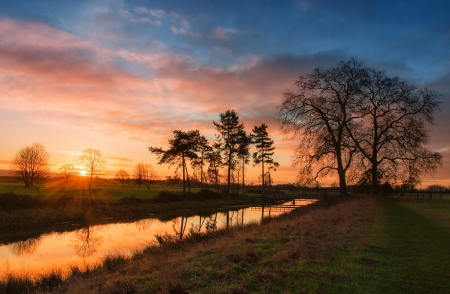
{"x":87,"y":246}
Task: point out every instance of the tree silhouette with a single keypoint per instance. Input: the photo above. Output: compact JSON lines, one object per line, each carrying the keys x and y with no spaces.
{"x":150,"y":175}
{"x":183,"y":147}
{"x":230,"y":133}
{"x":139,"y":173}
{"x":264,"y":147}
{"x":31,"y":163}
{"x":122,"y":176}
{"x":214,"y":158}
{"x":68,"y":171}
{"x":93,"y":162}
{"x":352,"y":112}
{"x":244,"y":154}
{"x":393,"y":124}
{"x":319,"y":113}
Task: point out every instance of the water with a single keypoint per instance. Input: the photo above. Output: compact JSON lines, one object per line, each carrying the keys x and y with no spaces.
{"x":88,"y":245}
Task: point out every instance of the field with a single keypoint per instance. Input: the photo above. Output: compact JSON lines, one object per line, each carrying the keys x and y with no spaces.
{"x":105,"y":190}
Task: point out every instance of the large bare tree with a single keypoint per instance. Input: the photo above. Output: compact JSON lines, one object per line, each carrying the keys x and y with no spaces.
{"x":31,"y":163}
{"x":93,"y":162}
{"x":319,"y":113}
{"x":393,"y":128}
{"x":352,"y":117}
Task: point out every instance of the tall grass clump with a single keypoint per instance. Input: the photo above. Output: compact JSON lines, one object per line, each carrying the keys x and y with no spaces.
{"x":113,"y":262}
{"x":19,"y":285}
{"x":50,"y":281}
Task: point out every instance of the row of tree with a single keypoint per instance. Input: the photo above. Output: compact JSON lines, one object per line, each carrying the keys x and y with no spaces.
{"x":229,"y":151}
{"x":31,"y":164}
{"x":356,"y":121}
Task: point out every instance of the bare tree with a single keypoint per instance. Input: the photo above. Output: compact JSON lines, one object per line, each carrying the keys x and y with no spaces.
{"x":150,"y":175}
{"x":319,"y":114}
{"x":139,"y":173}
{"x":68,"y":171}
{"x":31,"y":163}
{"x":93,"y":162}
{"x":393,"y":127}
{"x":122,"y":176}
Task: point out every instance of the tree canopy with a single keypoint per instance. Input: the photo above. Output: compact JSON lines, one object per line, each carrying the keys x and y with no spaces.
{"x":31,"y":163}
{"x":354,"y":117}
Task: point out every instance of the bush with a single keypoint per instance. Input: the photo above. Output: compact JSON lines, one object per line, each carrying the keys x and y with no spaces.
{"x":167,"y":196}
{"x":112,"y":263}
{"x":206,"y":194}
{"x":11,"y":201}
{"x":129,"y":200}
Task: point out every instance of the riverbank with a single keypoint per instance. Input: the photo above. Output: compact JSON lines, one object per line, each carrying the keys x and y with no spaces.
{"x":20,"y":211}
{"x":364,"y":245}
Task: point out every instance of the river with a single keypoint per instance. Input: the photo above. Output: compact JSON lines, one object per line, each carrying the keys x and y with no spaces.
{"x":83,"y":246}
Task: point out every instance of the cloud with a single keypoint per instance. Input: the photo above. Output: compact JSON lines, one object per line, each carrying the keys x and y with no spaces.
{"x":158,"y":13}
{"x":62,"y":81}
{"x":185,"y":29}
{"x":222,"y":34}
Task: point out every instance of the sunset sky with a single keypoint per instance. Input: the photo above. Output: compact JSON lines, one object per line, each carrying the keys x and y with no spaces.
{"x":120,"y":76}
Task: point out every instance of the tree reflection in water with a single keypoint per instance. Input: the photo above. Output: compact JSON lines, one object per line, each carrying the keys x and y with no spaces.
{"x":26,"y":247}
{"x":144,"y":224}
{"x":86,"y":241}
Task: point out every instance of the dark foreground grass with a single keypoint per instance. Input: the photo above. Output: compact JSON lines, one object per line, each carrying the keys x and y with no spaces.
{"x":359,"y":246}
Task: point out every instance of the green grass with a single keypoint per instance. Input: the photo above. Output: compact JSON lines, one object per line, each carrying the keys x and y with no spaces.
{"x":104,"y":190}
{"x":405,"y":250}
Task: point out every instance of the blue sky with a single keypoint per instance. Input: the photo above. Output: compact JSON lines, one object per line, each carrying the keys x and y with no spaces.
{"x":135,"y":70}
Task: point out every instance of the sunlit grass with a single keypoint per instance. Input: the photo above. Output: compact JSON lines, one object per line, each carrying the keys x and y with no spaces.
{"x":77,"y":187}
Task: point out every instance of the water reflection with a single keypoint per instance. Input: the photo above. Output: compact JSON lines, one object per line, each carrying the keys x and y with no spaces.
{"x":26,"y":247}
{"x":87,"y":245}
{"x":86,"y":241}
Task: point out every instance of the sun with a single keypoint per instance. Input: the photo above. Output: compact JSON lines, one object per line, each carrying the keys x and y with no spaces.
{"x":83,"y":172}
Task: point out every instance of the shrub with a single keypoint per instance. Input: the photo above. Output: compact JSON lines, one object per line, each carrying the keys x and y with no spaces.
{"x":112,"y":263}
{"x":167,"y":196}
{"x":129,"y":200}
{"x":11,"y":201}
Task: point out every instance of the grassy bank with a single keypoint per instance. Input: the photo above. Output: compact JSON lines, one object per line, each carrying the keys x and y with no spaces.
{"x":26,"y":211}
{"x":361,"y":246}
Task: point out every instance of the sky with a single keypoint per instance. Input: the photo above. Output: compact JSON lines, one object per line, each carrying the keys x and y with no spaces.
{"x":119,"y":76}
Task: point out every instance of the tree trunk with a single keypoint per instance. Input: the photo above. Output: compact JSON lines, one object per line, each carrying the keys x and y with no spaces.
{"x":229,"y":172}
{"x":184,"y":179}
{"x":243,"y":169}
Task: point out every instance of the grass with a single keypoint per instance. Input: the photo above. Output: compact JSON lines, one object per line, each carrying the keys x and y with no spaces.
{"x":103,"y":190}
{"x":366,"y":245}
